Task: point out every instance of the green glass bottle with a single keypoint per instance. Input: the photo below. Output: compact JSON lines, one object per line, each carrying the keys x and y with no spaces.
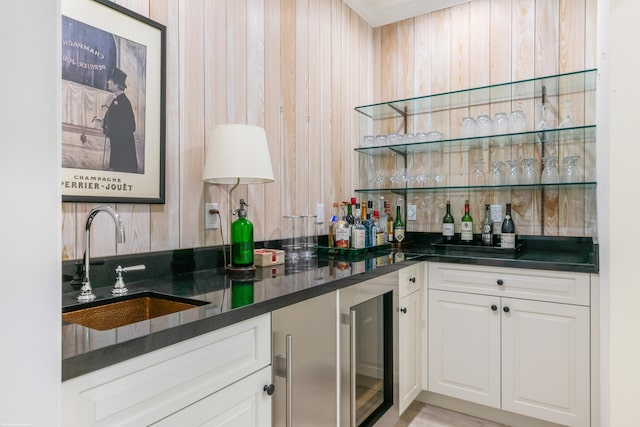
{"x":466,"y":225}
{"x":398,"y":227}
{"x":241,"y":293}
{"x":241,"y":238}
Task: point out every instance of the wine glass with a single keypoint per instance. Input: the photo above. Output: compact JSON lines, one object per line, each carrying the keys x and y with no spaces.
{"x":529,"y":173}
{"x":517,"y":122}
{"x":485,"y":125}
{"x":477,"y":176}
{"x":571,"y":170}
{"x":501,"y":124}
{"x":566,"y":121}
{"x":547,"y":120}
{"x":514,"y":174}
{"x":550,"y":170}
{"x":469,"y":127}
{"x":496,"y":176}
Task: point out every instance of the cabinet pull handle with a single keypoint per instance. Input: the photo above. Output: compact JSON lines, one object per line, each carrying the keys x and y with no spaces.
{"x":269,"y":389}
{"x":494,"y":307}
{"x":404,"y":310}
{"x":352,"y":368}
{"x":412,"y":279}
{"x":289,"y":381}
{"x":500,"y":282}
{"x":505,"y":309}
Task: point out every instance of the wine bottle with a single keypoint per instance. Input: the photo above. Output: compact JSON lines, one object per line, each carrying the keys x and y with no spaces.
{"x":387,"y":208}
{"x":370,"y":232}
{"x":357,"y":231}
{"x":398,"y":227}
{"x":508,"y":238}
{"x":487,"y":227}
{"x":332,"y":225}
{"x":342,"y":229}
{"x":379,"y":229}
{"x":350,"y":218}
{"x":466,"y":225}
{"x":448,"y":225}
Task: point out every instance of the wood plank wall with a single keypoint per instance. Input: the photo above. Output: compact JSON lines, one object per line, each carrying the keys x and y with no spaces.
{"x":298,"y":68}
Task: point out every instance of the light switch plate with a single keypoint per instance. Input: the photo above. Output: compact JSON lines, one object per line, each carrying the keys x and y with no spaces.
{"x":411,"y":212}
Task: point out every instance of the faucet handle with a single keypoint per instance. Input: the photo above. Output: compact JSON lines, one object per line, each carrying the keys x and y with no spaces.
{"x":119,"y":288}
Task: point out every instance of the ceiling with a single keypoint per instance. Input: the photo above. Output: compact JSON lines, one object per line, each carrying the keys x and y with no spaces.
{"x":382,"y":12}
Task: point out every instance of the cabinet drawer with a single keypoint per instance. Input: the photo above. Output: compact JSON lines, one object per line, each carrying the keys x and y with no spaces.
{"x":147,"y":388}
{"x":552,"y":286}
{"x":409,"y":280}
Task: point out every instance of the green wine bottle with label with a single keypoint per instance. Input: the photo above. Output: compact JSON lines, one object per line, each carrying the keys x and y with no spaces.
{"x":448,"y":225}
{"x":466,"y":225}
{"x":398,"y":227}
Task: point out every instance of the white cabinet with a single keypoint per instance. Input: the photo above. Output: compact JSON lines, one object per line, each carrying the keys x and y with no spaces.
{"x":527,"y":356}
{"x":410,"y":333}
{"x":464,"y":347}
{"x":222,"y":367}
{"x":242,"y":404}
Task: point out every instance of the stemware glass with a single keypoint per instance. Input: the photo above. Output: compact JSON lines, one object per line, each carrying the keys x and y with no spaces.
{"x":517,"y":122}
{"x":368,"y":141}
{"x":545,"y":114}
{"x":501,"y":124}
{"x":529,"y":173}
{"x":469,"y":127}
{"x":514,"y":174}
{"x":393,"y":139}
{"x":485,"y":125}
{"x":566,"y":121}
{"x":550,"y":170}
{"x":571,"y":170}
{"x":434,"y":135}
{"x":477,"y":176}
{"x":496,"y":175}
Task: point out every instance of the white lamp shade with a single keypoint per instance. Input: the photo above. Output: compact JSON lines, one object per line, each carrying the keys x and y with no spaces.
{"x":237,"y":152}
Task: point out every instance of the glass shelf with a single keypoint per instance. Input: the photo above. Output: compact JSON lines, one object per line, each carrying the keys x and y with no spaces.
{"x":578,"y":133}
{"x":561,"y":84}
{"x":560,"y":185}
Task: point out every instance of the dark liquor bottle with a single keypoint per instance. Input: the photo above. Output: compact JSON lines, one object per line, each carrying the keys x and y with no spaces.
{"x":448,"y":225}
{"x":508,"y":238}
{"x":487,"y":227}
{"x":350,"y":218}
{"x":370,"y":231}
{"x":398,"y":227}
{"x":466,"y":225}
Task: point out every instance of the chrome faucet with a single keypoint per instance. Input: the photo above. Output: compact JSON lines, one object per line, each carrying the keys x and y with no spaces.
{"x":86,"y":293}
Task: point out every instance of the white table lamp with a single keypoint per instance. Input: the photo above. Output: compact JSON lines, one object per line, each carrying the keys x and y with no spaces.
{"x":236,"y":154}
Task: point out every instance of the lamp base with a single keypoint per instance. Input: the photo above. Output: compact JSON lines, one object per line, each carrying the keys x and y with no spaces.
{"x":244,"y":271}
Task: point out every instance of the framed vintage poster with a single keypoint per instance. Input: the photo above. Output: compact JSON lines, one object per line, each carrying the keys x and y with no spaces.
{"x":113,"y":104}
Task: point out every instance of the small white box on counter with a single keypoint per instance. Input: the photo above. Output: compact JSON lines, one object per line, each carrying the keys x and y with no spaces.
{"x":267,"y":257}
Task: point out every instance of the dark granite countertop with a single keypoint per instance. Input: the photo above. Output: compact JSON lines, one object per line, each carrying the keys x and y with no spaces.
{"x":195,"y":273}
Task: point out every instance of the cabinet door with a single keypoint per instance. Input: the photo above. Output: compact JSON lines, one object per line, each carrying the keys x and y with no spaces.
{"x":242,"y":404}
{"x":545,"y":361}
{"x":464,"y":346}
{"x":410,"y":345}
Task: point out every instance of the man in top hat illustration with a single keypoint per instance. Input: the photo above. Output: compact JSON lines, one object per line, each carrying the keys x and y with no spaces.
{"x":119,"y":124}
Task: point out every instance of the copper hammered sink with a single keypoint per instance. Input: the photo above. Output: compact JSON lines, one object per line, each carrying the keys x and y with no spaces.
{"x":127,"y":309}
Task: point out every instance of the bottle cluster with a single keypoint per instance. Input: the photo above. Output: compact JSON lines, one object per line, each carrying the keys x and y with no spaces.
{"x":358,"y":225}
{"x":503,"y":236}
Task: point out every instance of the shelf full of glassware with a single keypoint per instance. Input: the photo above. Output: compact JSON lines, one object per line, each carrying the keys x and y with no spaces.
{"x":491,"y":143}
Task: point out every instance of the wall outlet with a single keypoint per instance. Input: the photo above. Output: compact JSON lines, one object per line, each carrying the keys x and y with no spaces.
{"x":411,"y":212}
{"x":211,"y":220}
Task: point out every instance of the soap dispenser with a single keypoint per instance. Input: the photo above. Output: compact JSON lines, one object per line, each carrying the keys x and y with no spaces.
{"x":242,"y":239}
